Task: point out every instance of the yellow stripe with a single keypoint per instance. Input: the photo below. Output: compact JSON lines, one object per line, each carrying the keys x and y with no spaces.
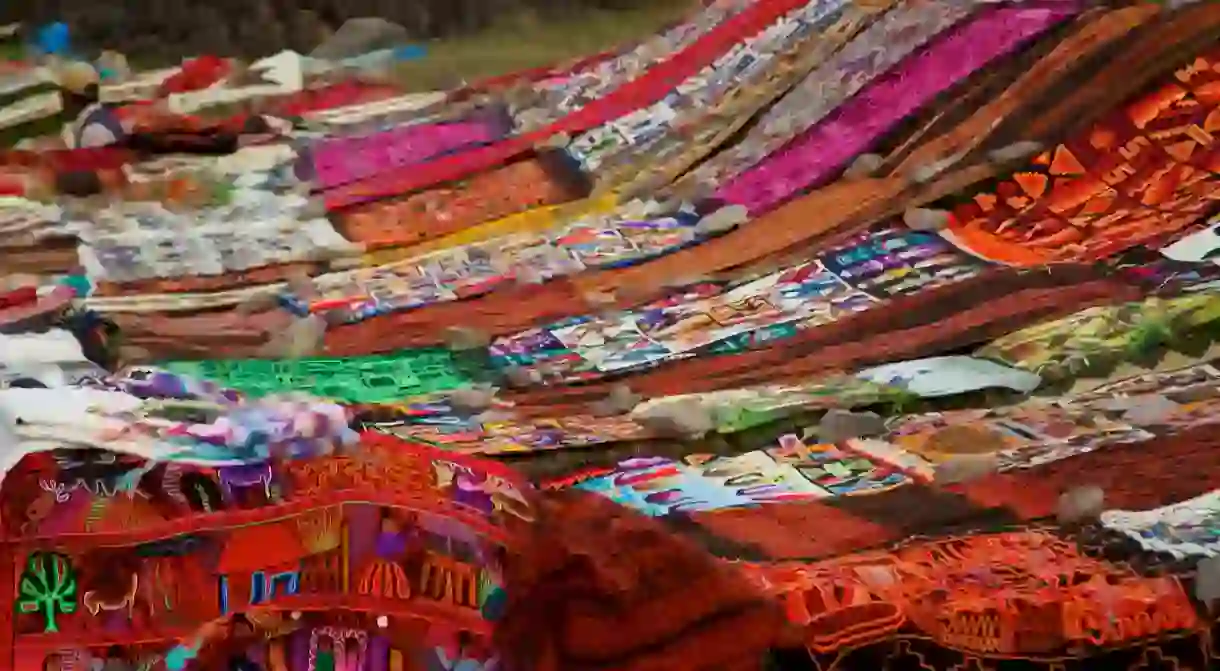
{"x":535,"y":220}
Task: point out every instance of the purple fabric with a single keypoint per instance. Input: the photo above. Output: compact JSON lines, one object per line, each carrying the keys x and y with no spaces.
{"x":821,"y":152}
{"x":391,"y":545}
{"x":338,"y":161}
{"x":379,"y":654}
{"x":299,"y":645}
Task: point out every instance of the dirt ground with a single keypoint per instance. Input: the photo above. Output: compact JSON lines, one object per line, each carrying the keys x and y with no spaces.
{"x":520,"y":43}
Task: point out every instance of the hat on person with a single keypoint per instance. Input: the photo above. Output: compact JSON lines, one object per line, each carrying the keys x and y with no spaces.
{"x":76,"y":77}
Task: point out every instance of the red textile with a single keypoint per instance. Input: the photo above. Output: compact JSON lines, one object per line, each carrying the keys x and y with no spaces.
{"x":95,"y":159}
{"x":341,"y":94}
{"x":12,"y":185}
{"x":196,"y":73}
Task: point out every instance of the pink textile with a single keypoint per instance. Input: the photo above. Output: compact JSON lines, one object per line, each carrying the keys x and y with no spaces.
{"x":825,"y":149}
{"x":340,"y":161}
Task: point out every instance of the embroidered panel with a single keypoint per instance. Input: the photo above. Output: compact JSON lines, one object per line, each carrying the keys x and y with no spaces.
{"x":1144,"y":170}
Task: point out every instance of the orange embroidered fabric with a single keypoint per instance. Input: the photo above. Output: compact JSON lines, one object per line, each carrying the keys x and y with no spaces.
{"x":1025,"y":593}
{"x":1143,"y":170}
{"x":443,"y":210}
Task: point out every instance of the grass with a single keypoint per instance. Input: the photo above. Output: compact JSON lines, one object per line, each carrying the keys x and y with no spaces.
{"x":521,"y":43}
{"x":518,"y":42}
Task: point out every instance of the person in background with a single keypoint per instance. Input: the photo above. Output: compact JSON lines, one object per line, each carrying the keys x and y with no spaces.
{"x":240,"y":662}
{"x":241,"y":636}
{"x":115,"y":660}
{"x":94,"y":123}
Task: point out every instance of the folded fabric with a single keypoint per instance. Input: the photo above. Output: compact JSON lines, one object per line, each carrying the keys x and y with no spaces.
{"x":56,"y":346}
{"x":601,"y":587}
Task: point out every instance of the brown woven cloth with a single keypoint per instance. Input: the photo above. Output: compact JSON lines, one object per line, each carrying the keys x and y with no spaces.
{"x":601,"y":587}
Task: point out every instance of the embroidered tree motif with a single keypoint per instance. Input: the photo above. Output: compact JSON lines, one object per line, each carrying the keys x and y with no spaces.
{"x":48,"y":585}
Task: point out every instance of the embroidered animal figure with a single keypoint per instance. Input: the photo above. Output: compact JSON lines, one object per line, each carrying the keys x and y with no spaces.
{"x":95,"y":603}
{"x":506,"y":498}
{"x":481,"y":491}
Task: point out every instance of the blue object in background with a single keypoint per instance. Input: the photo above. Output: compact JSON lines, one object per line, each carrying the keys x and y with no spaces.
{"x":54,"y":38}
{"x":410,"y":52}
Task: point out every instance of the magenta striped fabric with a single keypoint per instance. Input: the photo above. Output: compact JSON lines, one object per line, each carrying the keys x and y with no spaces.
{"x":819,"y":154}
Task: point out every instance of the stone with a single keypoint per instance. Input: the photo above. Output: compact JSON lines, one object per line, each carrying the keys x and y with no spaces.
{"x":922,"y":174}
{"x":620,"y":401}
{"x":304,"y":337}
{"x":262,"y":301}
{"x":723,"y":220}
{"x":924,"y":219}
{"x":314,"y":209}
{"x":361,"y":36}
{"x":301,"y":285}
{"x":1194,"y":394}
{"x":556,"y":141}
{"x":1015,"y":151}
{"x":472,"y":400}
{"x":683,"y":418}
{"x":1149,"y":409}
{"x":1207,"y":581}
{"x":865,"y":166}
{"x":494,"y":416}
{"x":518,"y":377}
{"x":962,"y":469}
{"x":839,"y":425}
{"x":528,"y":275}
{"x":115,"y":64}
{"x":1080,"y":505}
{"x":464,"y":339}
